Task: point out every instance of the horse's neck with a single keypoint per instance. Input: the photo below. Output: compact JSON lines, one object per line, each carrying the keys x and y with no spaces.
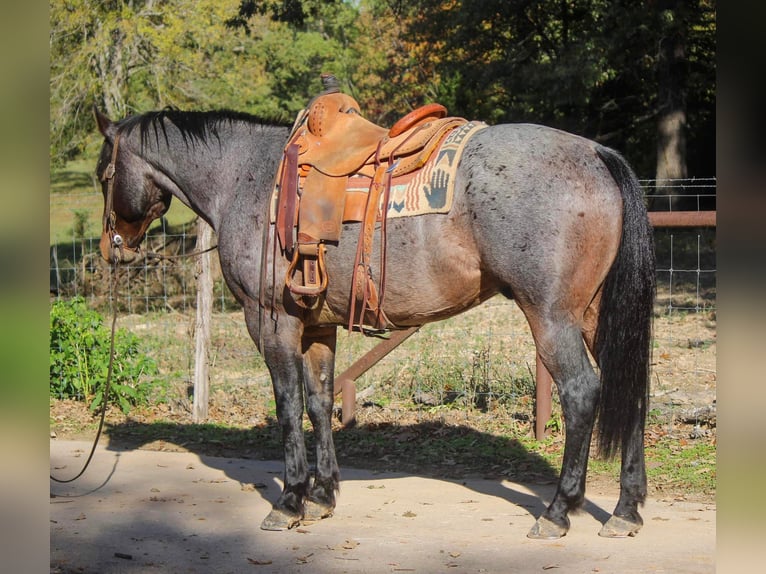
{"x":211,"y":178}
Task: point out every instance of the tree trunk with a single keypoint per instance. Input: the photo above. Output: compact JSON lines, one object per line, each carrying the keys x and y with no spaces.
{"x":671,"y":124}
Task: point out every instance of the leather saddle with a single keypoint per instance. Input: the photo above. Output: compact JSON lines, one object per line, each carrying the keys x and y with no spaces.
{"x":331,"y":142}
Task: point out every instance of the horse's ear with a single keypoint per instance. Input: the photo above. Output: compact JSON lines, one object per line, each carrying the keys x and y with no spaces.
{"x":105,"y":125}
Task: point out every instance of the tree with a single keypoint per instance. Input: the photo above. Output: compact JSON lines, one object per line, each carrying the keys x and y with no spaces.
{"x":635,"y":75}
{"x":137,"y":55}
{"x":132,"y":56}
{"x":671,"y":91}
{"x":594,"y":67}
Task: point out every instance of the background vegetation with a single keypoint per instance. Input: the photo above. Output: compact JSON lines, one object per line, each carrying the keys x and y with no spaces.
{"x":79,"y":358}
{"x":636,"y":75}
{"x":639,"y":76}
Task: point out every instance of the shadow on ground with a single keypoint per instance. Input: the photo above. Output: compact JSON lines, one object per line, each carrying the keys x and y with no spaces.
{"x":454,"y":453}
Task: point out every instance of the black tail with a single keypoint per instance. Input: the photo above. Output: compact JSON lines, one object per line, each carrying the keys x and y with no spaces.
{"x":623,"y":337}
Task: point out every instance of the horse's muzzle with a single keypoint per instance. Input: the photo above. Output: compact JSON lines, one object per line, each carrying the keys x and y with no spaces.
{"x":114,"y":250}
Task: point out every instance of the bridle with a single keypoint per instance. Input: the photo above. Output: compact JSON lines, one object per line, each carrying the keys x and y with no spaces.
{"x":109,"y":224}
{"x":116,"y":242}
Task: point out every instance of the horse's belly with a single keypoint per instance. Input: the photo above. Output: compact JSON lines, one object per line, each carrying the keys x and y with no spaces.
{"x":435,"y":293}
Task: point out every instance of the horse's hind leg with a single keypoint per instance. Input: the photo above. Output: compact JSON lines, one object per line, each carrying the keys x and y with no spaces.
{"x":625,"y":521}
{"x":318,"y":376}
{"x":560,"y":345}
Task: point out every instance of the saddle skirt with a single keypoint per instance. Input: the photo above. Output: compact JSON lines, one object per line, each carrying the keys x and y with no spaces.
{"x":339,"y":167}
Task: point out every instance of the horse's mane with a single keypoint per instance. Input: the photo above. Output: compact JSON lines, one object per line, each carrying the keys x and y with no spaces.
{"x":192,"y":125}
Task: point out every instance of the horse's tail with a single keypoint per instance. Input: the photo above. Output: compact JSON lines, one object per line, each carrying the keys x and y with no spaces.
{"x":623,"y":335}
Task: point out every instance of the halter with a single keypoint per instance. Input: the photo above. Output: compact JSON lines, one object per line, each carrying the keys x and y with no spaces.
{"x":110,"y":217}
{"x":109,"y":223}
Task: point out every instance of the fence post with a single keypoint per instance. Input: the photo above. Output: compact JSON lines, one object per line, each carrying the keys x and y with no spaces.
{"x":543,"y":398}
{"x":202,"y":326}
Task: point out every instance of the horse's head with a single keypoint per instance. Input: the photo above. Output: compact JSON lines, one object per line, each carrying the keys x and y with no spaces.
{"x":134,"y":194}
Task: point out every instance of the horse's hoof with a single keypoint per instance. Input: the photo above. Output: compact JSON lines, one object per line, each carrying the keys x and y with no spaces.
{"x":545,"y":529}
{"x":315,"y":511}
{"x":280,"y":520}
{"x":617,"y":527}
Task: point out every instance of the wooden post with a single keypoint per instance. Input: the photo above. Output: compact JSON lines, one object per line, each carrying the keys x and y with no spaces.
{"x":344,"y":383}
{"x":202,"y":326}
{"x":543,"y":398}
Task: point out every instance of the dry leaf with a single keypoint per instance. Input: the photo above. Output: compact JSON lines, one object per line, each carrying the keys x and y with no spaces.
{"x":304,"y":559}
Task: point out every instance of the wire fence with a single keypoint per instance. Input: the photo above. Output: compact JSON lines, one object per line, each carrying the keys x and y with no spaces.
{"x":480,"y":359}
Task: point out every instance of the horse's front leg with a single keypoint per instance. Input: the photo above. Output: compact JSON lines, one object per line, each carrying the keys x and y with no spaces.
{"x":285,"y":365}
{"x":318,"y":377}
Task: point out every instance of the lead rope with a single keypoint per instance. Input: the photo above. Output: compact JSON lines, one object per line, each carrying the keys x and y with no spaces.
{"x":110,"y":368}
{"x":117,"y":244}
{"x":108,"y":223}
{"x":105,"y":397}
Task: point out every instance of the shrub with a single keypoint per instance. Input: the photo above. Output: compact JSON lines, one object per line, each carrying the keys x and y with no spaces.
{"x":79,"y":358}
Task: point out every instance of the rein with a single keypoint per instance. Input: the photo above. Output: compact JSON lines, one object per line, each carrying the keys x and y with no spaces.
{"x":153,"y":255}
{"x":117,"y":244}
{"x":105,"y":397}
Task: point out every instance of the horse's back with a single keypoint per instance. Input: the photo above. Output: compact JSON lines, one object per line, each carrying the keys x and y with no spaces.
{"x":536,"y":215}
{"x":531,"y":163}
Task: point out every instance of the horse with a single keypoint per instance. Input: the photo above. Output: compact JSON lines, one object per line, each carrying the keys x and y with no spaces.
{"x":550,"y":219}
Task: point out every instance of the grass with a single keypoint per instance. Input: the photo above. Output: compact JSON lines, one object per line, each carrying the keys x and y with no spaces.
{"x":478,"y":370}
{"x":450,"y":439}
{"x":682,"y":464}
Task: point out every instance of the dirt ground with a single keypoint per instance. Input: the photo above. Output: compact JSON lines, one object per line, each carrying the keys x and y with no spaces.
{"x":147,"y":511}
{"x":425,"y":487}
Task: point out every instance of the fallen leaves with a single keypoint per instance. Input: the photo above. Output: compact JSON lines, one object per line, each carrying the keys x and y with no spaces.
{"x":347,"y":545}
{"x":304,"y":559}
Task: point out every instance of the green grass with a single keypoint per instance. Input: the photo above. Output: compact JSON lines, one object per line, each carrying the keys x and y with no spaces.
{"x":471,"y":354}
{"x":74,"y":188}
{"x":685,"y":465}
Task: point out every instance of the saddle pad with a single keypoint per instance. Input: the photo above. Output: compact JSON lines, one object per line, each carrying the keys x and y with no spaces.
{"x":431,"y":189}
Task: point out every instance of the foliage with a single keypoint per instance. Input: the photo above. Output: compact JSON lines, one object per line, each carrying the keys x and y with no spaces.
{"x":130,"y":57}
{"x":79,"y":358}
{"x":586,"y":66}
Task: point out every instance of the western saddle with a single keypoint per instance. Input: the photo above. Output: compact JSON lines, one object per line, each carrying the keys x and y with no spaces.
{"x":330,"y":143}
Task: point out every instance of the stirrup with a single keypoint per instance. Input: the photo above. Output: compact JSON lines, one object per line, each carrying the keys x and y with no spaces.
{"x":314,"y":288}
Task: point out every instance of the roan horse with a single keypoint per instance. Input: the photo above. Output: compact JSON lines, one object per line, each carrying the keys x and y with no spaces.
{"x":552,"y":220}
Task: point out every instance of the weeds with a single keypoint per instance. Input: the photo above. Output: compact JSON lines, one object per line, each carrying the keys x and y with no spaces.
{"x":79,"y":358}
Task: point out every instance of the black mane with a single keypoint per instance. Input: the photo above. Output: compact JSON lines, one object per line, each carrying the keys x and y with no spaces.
{"x":194,"y":126}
